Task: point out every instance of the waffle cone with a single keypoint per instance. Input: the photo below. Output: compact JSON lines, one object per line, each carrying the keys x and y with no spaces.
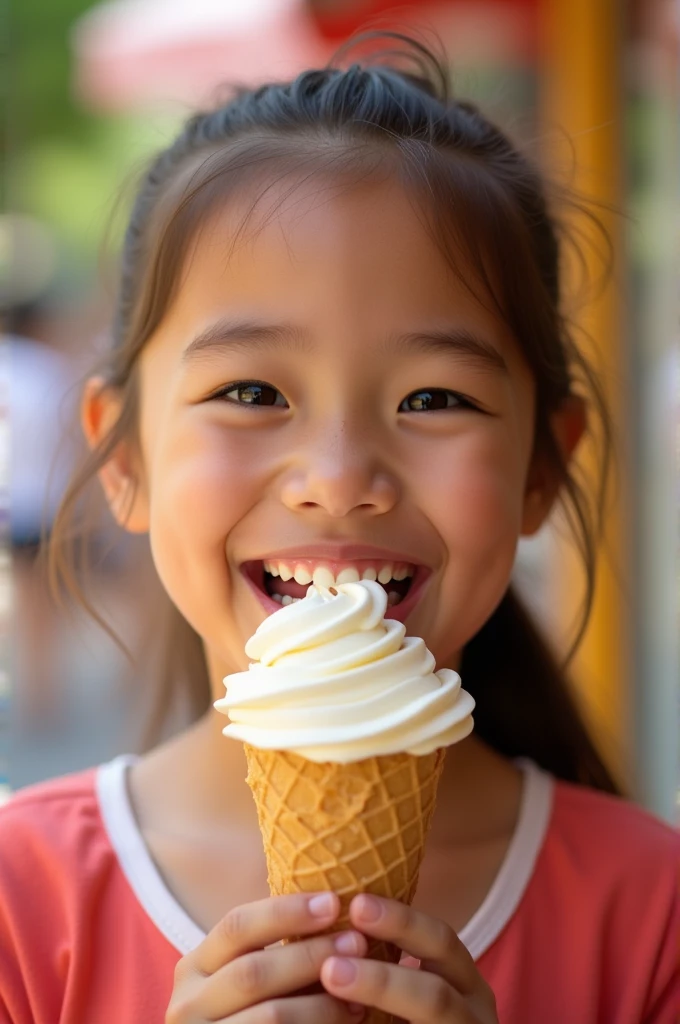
{"x":348,"y":828}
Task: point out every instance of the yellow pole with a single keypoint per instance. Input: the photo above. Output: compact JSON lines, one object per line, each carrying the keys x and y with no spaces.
{"x":582,"y":95}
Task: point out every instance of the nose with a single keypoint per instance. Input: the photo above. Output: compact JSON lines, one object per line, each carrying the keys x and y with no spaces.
{"x":338,"y":475}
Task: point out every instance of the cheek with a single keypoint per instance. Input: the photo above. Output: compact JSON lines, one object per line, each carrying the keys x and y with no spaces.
{"x":202,"y":484}
{"x":208,"y":480}
{"x":477,"y":495}
{"x":476,"y":507}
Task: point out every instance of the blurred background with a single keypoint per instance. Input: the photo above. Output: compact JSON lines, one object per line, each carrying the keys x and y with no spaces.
{"x":92,"y":89}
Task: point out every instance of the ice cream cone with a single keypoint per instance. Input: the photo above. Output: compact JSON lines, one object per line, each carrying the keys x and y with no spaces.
{"x":345,"y":722}
{"x":348,"y":828}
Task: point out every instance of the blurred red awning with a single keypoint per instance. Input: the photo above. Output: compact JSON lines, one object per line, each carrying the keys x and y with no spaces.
{"x":338,"y":19}
{"x":136,"y":53}
{"x":131,"y":53}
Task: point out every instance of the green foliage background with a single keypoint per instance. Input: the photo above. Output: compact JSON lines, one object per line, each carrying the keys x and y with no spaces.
{"x":69,"y":167}
{"x":41,"y":104}
{"x":65,"y":165}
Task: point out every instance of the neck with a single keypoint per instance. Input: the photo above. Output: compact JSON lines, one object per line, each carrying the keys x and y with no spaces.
{"x":202,"y":776}
{"x":197,"y":777}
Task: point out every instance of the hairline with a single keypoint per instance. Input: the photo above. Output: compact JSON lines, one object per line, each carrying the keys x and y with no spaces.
{"x":384,"y":160}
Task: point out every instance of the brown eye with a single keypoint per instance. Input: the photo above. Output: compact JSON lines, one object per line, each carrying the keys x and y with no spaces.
{"x":249,"y":392}
{"x":432,"y":400}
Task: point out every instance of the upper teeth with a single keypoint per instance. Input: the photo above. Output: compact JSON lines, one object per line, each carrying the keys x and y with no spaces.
{"x":322,"y":576}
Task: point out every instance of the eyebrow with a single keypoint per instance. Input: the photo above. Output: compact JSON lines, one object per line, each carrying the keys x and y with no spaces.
{"x":232,"y":334}
{"x":457,"y":341}
{"x":238,"y":333}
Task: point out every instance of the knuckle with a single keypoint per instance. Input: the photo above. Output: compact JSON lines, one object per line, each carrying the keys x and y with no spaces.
{"x":487,"y":994}
{"x":232,"y":925}
{"x":181,"y":970}
{"x":248,"y":975}
{"x":437,"y":1000}
{"x":403,"y":916}
{"x":447,"y":939}
{"x":336,"y":1012}
{"x":179,"y":1011}
{"x":381,"y":978}
{"x":171,"y":1015}
{"x":314,"y":953}
{"x":181,"y":1007}
{"x":281,"y":910}
{"x":271,"y":1013}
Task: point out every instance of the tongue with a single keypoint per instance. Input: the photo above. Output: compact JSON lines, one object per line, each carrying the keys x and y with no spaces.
{"x":275,"y":585}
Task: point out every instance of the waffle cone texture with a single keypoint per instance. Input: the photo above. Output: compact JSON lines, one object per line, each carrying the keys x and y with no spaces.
{"x":347,"y":828}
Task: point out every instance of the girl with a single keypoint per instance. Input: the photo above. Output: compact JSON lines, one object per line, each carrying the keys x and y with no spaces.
{"x":339,"y":344}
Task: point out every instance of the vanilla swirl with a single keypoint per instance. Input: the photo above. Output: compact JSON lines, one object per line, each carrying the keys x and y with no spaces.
{"x":332,"y":680}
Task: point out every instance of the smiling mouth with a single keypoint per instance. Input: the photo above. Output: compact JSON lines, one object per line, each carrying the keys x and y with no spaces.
{"x":287,"y":581}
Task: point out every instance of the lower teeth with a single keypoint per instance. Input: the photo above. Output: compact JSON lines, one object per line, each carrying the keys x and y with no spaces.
{"x":393,"y":598}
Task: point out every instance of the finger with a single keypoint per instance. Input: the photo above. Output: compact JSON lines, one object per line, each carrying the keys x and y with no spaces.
{"x":269,"y":973}
{"x":255,"y":925}
{"x":299,"y":1010}
{"x":426,"y":938}
{"x":418,"y":996}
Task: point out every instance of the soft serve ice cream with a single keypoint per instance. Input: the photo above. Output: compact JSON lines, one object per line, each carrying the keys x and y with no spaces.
{"x":334,"y":681}
{"x":345,"y":724}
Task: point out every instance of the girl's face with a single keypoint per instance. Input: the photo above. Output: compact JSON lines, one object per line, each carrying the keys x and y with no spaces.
{"x":330,"y":397}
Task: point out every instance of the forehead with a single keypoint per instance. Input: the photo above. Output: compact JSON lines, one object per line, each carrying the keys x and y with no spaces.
{"x":368,"y":239}
{"x":340,"y":262}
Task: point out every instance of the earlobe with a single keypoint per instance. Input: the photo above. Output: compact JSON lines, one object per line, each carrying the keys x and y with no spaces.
{"x":568,"y":425}
{"x":538,"y":501}
{"x":545,"y":477}
{"x":120,"y":475}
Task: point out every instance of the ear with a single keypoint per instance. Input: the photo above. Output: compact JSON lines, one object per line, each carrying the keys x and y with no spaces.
{"x":545,"y":478}
{"x":121,"y":476}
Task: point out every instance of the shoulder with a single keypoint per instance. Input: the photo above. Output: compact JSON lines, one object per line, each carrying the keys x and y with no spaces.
{"x":55,"y":812}
{"x":63,"y":895}
{"x":597,"y":829}
{"x":77,"y":786}
{"x":614,"y":870}
{"x":52,"y":839}
{"x":626,"y":860}
{"x":51,"y":845}
{"x":610,"y":872}
{"x":603,"y":865}
{"x":602,"y":908}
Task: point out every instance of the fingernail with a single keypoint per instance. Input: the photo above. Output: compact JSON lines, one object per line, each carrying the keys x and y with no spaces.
{"x":322,"y":905}
{"x":341,"y":972}
{"x":369,"y":908}
{"x":347,"y":943}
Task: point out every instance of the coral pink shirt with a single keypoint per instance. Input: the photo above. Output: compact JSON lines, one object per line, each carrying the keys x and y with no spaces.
{"x":581,"y":926}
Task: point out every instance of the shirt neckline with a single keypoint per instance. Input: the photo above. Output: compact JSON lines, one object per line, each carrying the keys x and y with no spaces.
{"x":160,"y":905}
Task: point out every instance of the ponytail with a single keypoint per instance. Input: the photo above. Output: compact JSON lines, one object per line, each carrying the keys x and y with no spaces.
{"x":524,"y":704}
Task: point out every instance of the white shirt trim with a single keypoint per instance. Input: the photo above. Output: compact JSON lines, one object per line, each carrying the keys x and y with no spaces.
{"x":135,"y":861}
{"x":514,"y":875}
{"x":174,"y":923}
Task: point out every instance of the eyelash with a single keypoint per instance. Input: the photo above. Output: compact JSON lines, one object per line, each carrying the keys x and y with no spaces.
{"x":461,"y":402}
{"x":238,"y":385}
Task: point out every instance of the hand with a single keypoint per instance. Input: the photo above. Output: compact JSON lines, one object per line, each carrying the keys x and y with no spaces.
{"x":446,"y":989}
{"x":230,"y":976}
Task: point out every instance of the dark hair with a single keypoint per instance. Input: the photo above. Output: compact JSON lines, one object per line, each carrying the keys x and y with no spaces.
{"x":483,"y":202}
